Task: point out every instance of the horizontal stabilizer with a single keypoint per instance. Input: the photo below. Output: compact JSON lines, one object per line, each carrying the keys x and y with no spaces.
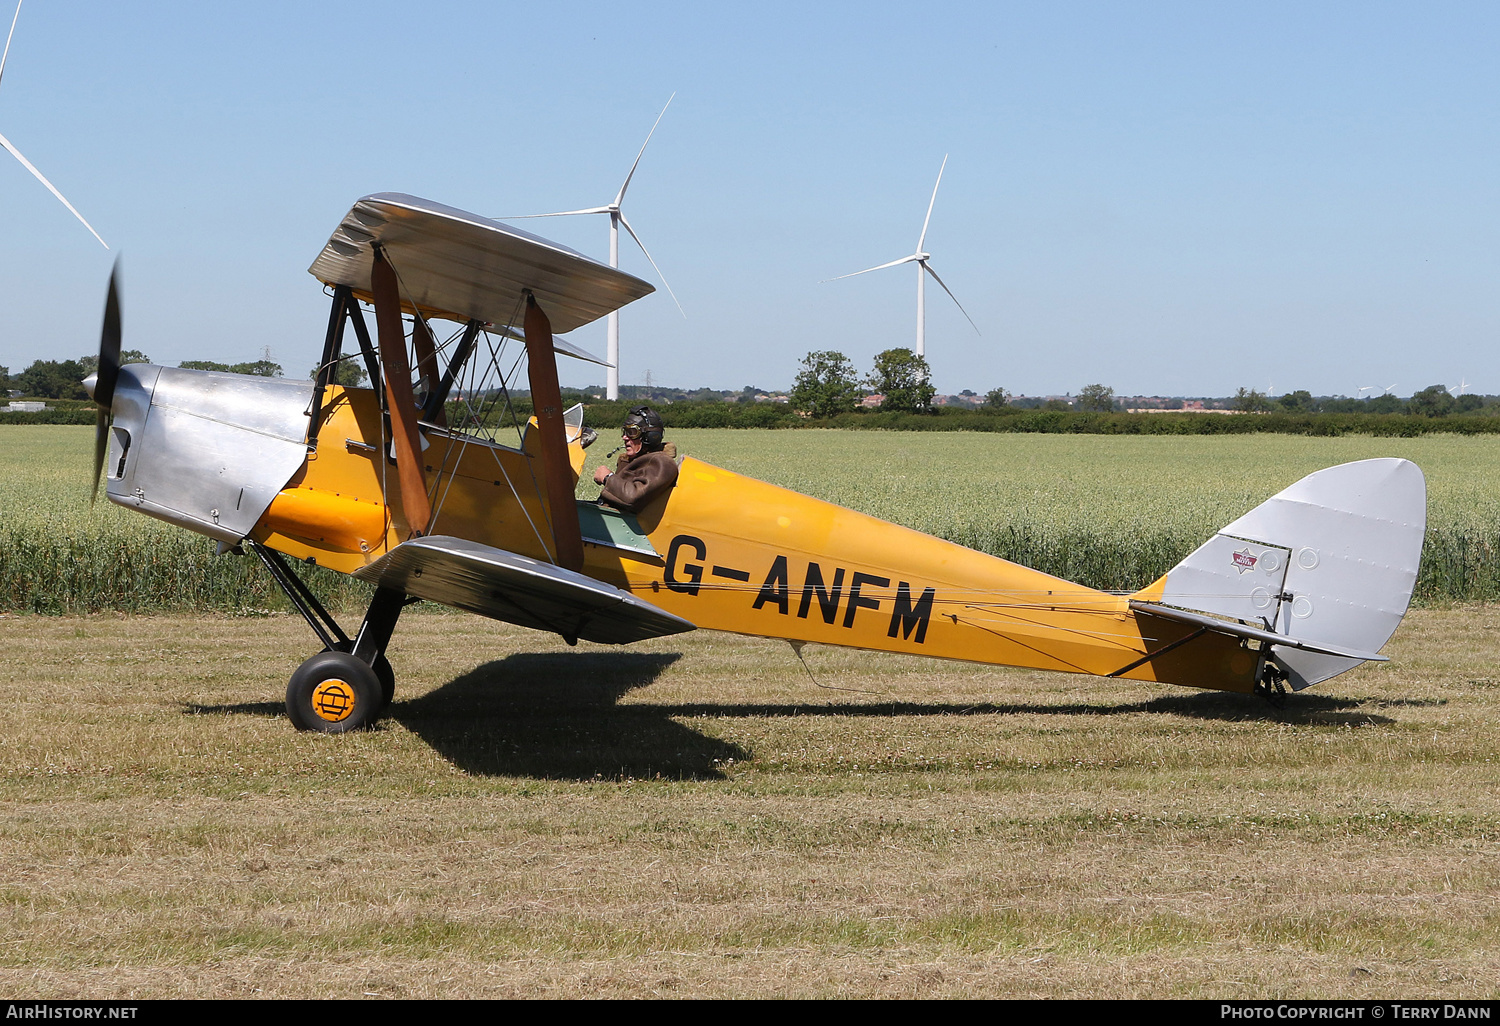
{"x":1239,"y":630}
{"x":461,"y":266}
{"x":505,"y":586}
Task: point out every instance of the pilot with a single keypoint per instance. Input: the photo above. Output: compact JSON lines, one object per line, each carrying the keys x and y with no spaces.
{"x":647,"y":469}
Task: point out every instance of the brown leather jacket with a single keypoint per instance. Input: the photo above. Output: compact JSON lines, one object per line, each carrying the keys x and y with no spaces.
{"x":636,"y":481}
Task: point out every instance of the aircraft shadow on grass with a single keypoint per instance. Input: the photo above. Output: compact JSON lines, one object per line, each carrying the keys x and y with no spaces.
{"x":558,"y":716}
{"x":1314,"y":710}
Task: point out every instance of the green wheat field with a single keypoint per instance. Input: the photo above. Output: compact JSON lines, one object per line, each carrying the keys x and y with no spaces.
{"x":1110,"y":512}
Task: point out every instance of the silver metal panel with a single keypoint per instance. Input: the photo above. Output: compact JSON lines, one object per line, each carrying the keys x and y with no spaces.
{"x":461,"y":266}
{"x":207,"y":451}
{"x":518,"y":590}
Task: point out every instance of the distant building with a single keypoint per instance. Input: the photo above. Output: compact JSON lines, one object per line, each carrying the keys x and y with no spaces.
{"x":26,"y":407}
{"x":871,"y":402}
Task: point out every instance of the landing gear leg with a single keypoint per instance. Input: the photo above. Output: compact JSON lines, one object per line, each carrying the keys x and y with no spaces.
{"x":347,"y":686}
{"x":339,"y":705}
{"x":375,"y":634}
{"x":1271,"y":684}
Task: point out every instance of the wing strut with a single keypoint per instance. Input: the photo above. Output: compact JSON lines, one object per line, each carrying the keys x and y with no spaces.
{"x":439,"y":396}
{"x":546,"y":397}
{"x":399,"y":398}
{"x":427,"y":362}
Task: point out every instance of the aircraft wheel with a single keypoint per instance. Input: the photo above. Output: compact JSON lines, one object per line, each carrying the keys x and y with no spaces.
{"x":334,"y":693}
{"x":382,"y":670}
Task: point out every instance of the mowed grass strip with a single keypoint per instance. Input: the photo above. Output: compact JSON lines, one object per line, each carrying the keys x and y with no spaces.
{"x":698,"y":817}
{"x":1106,"y":511}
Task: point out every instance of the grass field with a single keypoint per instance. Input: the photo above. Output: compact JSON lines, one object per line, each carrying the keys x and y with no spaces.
{"x":1108,"y":511}
{"x":696,"y":817}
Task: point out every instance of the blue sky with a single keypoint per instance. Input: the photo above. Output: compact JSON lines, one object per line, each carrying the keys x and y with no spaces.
{"x":1176,"y":198}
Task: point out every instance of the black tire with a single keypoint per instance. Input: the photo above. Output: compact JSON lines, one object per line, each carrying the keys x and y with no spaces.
{"x":333,"y":693}
{"x":382,"y":670}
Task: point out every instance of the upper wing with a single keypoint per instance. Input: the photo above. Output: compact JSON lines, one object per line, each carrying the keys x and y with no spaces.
{"x":460,"y":266}
{"x":505,"y":586}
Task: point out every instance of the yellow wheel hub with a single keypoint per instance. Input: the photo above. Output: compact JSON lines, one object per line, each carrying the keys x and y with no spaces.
{"x":333,"y":700}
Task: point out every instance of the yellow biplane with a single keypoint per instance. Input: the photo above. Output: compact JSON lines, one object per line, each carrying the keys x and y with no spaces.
{"x":378,"y":483}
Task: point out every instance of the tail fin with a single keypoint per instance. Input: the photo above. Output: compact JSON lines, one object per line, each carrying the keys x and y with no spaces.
{"x":1327,"y":565}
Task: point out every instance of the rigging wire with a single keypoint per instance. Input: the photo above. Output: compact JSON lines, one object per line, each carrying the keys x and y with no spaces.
{"x":798,"y":646}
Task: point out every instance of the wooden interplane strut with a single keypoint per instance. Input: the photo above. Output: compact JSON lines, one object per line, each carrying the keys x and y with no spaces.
{"x":399,"y":397}
{"x":546,"y":397}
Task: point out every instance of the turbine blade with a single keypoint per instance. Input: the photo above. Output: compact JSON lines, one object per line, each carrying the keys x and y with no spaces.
{"x":928,"y":268}
{"x":930,"y":202}
{"x":867,"y":270}
{"x":620,"y":198}
{"x":663,"y":277}
{"x":50,"y":187}
{"x":558,"y":213}
{"x":9,"y":37}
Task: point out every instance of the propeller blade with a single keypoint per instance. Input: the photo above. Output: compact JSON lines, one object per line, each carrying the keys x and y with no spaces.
{"x":928,"y":267}
{"x":560,"y":213}
{"x":9,"y":37}
{"x":880,"y":267}
{"x":663,"y":277}
{"x":107,"y":374}
{"x":101,"y":446}
{"x":109,"y":343}
{"x":50,"y":187}
{"x":930,"y":202}
{"x":621,"y":197}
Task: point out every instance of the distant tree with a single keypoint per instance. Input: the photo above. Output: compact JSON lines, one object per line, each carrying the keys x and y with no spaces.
{"x":1432,"y":401}
{"x":1300,"y":401}
{"x":1467,"y":403}
{"x":1250,"y":401}
{"x":826,"y":385}
{"x":996,"y":399}
{"x":1057,"y":405}
{"x":53,"y":379}
{"x":4,"y":378}
{"x":346,"y":372}
{"x":903,"y":378}
{"x":90,"y":363}
{"x":1100,"y":398}
{"x":258,"y":368}
{"x":1387,"y":404}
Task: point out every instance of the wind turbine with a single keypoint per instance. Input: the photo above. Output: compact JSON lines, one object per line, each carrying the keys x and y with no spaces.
{"x":1365,"y":388}
{"x":17,"y":153}
{"x":617,"y":218}
{"x":921,"y":258}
